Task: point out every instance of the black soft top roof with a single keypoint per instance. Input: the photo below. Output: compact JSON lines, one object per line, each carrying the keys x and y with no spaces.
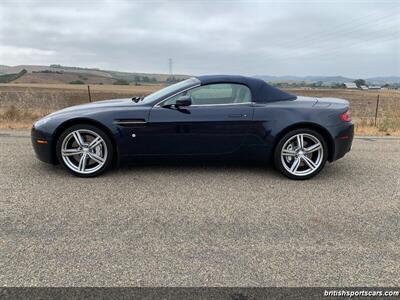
{"x":260,"y":90}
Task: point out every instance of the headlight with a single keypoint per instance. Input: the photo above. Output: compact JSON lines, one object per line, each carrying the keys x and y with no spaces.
{"x":42,"y":121}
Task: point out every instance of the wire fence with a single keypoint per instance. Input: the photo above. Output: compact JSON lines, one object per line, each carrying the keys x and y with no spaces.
{"x":379,"y":108}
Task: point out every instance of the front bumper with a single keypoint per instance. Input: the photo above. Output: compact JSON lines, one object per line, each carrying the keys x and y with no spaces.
{"x":43,"y":146}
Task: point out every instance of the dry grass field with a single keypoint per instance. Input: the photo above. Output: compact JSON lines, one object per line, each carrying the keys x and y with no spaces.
{"x":363,"y":104}
{"x":21,"y":104}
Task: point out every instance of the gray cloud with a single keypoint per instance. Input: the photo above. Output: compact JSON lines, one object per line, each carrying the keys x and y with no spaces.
{"x":352,"y":38}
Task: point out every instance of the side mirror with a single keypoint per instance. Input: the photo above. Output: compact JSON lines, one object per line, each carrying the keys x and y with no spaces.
{"x":183,"y":101}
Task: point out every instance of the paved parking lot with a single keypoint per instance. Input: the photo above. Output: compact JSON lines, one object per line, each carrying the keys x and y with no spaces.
{"x":200,"y":225}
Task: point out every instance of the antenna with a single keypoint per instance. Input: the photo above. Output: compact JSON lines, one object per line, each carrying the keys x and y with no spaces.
{"x":170,"y":64}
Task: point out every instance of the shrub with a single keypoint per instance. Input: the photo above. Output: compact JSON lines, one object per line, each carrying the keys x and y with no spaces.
{"x":76,"y":82}
{"x":11,"y":114}
{"x":10,"y":77}
{"x":121,"y":82}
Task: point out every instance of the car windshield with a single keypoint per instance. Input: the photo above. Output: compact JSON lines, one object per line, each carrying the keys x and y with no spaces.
{"x":170,"y":89}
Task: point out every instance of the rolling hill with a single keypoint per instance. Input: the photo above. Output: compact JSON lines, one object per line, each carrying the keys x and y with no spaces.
{"x":64,"y":74}
{"x":329,"y":79}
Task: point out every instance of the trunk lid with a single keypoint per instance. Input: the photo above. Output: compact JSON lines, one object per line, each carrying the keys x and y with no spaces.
{"x":332,"y":102}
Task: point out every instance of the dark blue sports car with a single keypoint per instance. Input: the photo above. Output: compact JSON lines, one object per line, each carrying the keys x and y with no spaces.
{"x":205,"y":115}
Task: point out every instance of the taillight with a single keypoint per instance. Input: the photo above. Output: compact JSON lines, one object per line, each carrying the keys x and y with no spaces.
{"x":345,"y":117}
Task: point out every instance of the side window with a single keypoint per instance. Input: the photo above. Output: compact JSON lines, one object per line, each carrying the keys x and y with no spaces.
{"x":221,"y":93}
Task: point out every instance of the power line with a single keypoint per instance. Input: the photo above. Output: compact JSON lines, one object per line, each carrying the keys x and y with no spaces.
{"x":170,"y":65}
{"x":342,"y":28}
{"x":328,"y":38}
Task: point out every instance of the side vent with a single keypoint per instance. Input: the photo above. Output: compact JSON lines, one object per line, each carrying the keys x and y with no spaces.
{"x":130,"y":122}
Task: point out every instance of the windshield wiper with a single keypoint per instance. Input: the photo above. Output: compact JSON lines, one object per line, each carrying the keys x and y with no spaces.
{"x":136,"y":99}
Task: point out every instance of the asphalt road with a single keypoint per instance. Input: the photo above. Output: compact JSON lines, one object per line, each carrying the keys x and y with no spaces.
{"x":200,"y":225}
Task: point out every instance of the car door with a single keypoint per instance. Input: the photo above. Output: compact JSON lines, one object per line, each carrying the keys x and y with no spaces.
{"x":217,"y":121}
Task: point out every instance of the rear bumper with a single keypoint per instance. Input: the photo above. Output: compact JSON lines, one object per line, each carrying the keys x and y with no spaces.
{"x":43,"y":151}
{"x":343,"y":141}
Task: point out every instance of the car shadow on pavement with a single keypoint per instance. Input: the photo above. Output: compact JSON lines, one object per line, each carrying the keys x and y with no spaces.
{"x":215,"y":165}
{"x":192,"y":164}
{"x":189,"y":165}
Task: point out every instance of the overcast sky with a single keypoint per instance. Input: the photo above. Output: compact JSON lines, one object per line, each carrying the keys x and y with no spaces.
{"x":350,"y":38}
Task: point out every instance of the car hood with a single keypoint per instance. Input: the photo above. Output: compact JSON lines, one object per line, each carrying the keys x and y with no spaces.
{"x":98,"y":105}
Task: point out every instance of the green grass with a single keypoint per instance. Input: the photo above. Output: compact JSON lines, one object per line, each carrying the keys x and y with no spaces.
{"x":10,"y":77}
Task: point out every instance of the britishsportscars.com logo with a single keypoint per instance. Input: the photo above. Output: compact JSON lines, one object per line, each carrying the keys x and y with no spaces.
{"x":361,"y":293}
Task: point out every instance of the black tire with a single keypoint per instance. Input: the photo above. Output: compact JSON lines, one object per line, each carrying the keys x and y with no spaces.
{"x":109,"y":148}
{"x":278,"y":149}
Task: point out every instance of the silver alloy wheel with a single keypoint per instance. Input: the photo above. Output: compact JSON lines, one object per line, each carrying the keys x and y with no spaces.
{"x":84,"y":151}
{"x":302,"y":154}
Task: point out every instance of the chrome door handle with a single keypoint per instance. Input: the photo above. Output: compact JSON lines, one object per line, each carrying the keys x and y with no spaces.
{"x":237,"y":116}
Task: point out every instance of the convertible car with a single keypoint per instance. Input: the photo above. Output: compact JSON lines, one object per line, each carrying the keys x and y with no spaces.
{"x":201,"y":116}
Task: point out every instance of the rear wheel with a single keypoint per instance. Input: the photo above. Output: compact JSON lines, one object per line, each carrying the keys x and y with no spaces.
{"x":301,"y":154}
{"x":84,"y":150}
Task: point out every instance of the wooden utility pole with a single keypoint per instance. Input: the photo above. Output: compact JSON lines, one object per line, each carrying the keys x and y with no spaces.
{"x":90,"y":96}
{"x":376,"y":110}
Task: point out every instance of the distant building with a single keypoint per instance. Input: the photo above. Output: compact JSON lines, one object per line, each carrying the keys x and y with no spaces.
{"x":350,"y":85}
{"x":363,"y":87}
{"x":374,"y":87}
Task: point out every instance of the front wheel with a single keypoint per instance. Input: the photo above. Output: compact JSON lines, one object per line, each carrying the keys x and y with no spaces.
{"x":301,"y":154}
{"x":84,"y":150}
